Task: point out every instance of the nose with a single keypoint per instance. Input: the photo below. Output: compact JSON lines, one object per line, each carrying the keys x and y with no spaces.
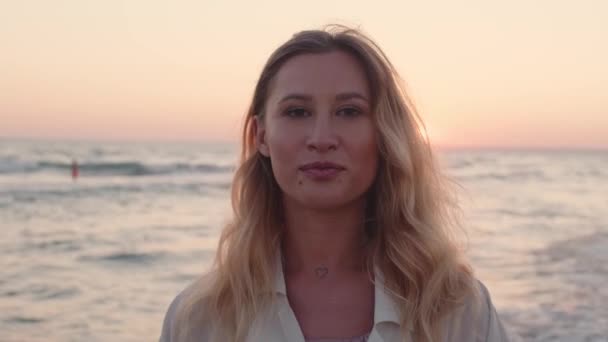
{"x":322,"y":136}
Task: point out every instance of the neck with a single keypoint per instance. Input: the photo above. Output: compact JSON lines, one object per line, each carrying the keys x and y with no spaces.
{"x":317,"y":241}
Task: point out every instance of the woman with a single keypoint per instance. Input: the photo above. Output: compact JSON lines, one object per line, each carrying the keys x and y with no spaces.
{"x":342,"y":221}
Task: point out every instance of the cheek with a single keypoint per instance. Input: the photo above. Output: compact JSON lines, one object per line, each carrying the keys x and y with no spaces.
{"x":364,"y":146}
{"x":368,"y":159}
{"x":365,"y":155}
{"x":283,"y":146}
{"x":282,"y":143}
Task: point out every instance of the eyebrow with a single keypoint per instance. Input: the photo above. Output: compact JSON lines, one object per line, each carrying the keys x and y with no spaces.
{"x":340,"y":97}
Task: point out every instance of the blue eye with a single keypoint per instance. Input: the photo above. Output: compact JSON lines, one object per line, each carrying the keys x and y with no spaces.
{"x":349,"y":112}
{"x":296,"y":112}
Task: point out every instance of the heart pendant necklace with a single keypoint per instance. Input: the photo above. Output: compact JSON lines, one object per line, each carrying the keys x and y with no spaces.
{"x":321,"y":272}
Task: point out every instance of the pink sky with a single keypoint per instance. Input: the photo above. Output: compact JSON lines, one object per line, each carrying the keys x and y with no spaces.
{"x":483,"y":73}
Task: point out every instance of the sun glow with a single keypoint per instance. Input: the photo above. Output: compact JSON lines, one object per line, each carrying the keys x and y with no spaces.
{"x":144,"y":70}
{"x":431,"y":134}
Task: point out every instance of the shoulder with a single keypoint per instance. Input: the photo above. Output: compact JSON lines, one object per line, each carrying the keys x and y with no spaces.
{"x":186,"y":296}
{"x":476,"y":319}
{"x":168,"y":321}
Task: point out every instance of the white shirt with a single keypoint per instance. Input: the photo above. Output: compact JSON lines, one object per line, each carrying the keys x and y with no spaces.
{"x":280,"y":324}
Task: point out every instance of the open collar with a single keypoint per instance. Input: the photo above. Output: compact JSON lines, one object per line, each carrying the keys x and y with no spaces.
{"x":385,"y":309}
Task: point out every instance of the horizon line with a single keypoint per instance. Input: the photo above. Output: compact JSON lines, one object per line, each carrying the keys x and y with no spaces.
{"x":438,"y":146}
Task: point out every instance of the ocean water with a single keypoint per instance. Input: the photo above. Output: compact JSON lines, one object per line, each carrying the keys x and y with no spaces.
{"x":100,"y":258}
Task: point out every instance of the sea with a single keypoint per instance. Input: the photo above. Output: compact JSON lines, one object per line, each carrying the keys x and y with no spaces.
{"x":99,"y":257}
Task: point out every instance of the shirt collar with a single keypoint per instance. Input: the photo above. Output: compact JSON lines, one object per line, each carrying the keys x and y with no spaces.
{"x":384,"y":307}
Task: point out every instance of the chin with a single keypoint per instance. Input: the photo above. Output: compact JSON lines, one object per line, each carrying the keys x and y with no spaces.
{"x":323,"y":202}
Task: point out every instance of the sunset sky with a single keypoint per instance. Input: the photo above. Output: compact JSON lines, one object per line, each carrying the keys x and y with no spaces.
{"x":519,"y":73}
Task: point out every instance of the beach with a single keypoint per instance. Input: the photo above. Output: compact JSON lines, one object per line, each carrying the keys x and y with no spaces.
{"x":99,"y":256}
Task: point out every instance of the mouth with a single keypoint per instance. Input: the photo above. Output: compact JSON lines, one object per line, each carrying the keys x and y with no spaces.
{"x":322,"y":166}
{"x":322,"y":171}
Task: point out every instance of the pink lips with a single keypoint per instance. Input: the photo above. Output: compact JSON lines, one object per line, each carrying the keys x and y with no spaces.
{"x":321,"y":170}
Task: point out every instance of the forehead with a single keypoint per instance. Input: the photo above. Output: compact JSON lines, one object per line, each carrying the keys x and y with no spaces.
{"x":320,"y":74}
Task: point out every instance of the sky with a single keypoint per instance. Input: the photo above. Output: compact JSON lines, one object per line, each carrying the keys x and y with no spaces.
{"x":519,"y":73}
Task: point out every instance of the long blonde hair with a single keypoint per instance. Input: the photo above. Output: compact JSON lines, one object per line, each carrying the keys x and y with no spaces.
{"x":411,"y":216}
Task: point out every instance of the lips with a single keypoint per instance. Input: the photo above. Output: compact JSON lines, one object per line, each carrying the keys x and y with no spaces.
{"x":322,"y":171}
{"x":321,"y":166}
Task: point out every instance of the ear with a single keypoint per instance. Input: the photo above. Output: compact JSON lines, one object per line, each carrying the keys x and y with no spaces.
{"x":260,"y":135}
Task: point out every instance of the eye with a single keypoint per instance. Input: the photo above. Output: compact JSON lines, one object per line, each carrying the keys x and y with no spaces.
{"x":349,"y":111}
{"x":297,"y":112}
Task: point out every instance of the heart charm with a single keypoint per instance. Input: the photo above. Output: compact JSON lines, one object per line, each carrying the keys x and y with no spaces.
{"x":321,"y":272}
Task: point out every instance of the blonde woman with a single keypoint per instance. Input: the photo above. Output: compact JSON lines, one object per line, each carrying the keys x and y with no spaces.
{"x":342,"y":220}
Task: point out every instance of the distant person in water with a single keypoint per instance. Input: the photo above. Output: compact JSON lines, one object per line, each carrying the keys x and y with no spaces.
{"x":343,"y":221}
{"x":75,"y":170}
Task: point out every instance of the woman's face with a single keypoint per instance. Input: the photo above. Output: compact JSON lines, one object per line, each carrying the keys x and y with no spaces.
{"x":318,"y":130}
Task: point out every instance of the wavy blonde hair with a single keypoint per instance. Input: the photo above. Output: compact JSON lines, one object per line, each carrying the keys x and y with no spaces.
{"x":412,"y":212}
